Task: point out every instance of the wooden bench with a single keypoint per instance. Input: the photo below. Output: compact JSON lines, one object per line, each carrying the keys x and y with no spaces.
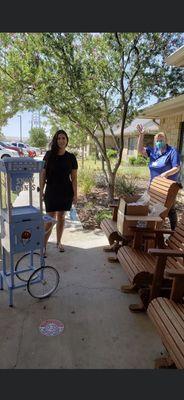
{"x":168,"y":318}
{"x":146,"y":270}
{"x":161,"y":190}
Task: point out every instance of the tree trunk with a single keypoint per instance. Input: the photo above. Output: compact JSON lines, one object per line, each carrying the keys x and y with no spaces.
{"x":111,"y":187}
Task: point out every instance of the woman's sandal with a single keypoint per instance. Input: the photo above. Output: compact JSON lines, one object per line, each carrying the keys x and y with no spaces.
{"x":60,"y":248}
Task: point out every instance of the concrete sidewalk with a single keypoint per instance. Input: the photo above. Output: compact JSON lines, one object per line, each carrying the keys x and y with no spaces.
{"x":99,"y":330}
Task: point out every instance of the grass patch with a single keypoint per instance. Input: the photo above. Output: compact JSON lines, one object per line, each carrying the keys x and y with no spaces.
{"x":102,"y":215}
{"x":140,"y":171}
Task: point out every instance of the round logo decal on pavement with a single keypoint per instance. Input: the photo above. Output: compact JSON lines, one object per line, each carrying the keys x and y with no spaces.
{"x":51,"y":327}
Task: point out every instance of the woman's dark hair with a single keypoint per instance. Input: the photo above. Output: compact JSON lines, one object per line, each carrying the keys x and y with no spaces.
{"x":54,"y":150}
{"x":53,"y":144}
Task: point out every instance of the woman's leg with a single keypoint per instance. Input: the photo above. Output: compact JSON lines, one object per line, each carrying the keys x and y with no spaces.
{"x":60,"y":225}
{"x":48,"y":227}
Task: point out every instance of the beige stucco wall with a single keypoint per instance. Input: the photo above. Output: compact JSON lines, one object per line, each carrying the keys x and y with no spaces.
{"x":171,"y":125}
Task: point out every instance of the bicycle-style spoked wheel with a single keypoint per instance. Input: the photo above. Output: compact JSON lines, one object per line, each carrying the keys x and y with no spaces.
{"x":43,"y":282}
{"x":28,"y":262}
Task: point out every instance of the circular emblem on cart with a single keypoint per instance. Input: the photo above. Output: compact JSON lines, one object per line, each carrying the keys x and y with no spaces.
{"x":51,"y":327}
{"x":26,"y":235}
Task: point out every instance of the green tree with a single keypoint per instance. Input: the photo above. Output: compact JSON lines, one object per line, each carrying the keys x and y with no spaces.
{"x":2,"y":136}
{"x":16,"y":78}
{"x":38,"y":137}
{"x":94,"y":80}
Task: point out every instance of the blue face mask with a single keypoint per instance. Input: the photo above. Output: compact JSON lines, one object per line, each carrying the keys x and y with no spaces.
{"x":160,"y":144}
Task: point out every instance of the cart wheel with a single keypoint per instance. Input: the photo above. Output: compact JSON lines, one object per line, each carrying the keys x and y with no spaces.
{"x":26,"y":263}
{"x":43,"y":282}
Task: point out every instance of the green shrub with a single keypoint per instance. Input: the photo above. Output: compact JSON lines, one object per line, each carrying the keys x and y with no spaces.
{"x":125,"y":185}
{"x":131,"y":160}
{"x":140,"y":160}
{"x":86,"y":180}
{"x":111,"y":153}
{"x":102,"y":215}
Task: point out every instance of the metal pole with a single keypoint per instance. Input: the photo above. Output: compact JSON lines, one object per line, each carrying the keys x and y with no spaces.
{"x":20,"y":116}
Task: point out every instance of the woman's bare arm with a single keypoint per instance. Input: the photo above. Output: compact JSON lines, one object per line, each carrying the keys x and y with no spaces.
{"x":74,"y":184}
{"x":43,"y":180}
{"x":140,"y":148}
{"x":170,"y":172}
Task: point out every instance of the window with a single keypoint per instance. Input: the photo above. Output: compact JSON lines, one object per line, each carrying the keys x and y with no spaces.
{"x":131,"y":145}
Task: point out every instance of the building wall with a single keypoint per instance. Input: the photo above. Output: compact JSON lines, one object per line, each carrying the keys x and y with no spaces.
{"x":127,"y":151}
{"x":171,"y":125}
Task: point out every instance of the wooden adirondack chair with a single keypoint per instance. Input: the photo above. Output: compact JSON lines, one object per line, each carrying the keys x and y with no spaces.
{"x":162,"y":191}
{"x":168,"y":317}
{"x":146,"y":270}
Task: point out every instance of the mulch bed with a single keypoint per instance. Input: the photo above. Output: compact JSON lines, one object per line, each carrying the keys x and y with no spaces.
{"x":88,"y":206}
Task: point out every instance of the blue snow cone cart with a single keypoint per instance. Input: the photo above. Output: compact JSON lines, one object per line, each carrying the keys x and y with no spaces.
{"x":22,"y":230}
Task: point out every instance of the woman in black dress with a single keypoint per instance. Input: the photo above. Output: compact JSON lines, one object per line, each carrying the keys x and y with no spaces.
{"x":60,"y":176}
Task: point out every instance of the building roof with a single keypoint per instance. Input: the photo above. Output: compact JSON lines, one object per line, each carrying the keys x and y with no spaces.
{"x":177,"y":58}
{"x":150,"y":127}
{"x":174,"y":105}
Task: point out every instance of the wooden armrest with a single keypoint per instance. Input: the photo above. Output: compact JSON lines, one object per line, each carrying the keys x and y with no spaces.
{"x":166,"y":252}
{"x":169,"y":231}
{"x":145,"y":218}
{"x":174,"y":274}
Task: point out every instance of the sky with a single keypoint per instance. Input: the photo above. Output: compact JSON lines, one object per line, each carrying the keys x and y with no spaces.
{"x":12,"y":129}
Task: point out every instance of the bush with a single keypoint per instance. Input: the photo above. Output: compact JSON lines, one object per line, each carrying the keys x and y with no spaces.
{"x":125,"y":185}
{"x":102,"y":215}
{"x":86,"y":181}
{"x":111,"y":153}
{"x":140,"y":160}
{"x":131,"y":160}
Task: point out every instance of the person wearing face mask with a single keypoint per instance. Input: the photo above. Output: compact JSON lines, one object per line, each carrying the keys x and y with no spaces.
{"x":164,"y":162}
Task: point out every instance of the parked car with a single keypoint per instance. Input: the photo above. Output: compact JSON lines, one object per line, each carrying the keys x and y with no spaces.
{"x":31,"y":152}
{"x":6,"y":145}
{"x":25,"y":147}
{"x":18,"y":144}
{"x":7,"y":153}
